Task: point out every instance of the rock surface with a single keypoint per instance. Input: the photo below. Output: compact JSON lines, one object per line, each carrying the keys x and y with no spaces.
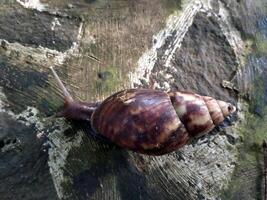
{"x":211,"y":47}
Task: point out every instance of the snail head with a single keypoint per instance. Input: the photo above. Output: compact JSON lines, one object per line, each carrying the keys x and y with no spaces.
{"x":227,"y":108}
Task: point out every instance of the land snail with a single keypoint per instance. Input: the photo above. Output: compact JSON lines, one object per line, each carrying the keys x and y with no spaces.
{"x":148,"y":121}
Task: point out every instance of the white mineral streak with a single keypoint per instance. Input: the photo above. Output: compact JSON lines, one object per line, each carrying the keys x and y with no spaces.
{"x":39,"y":55}
{"x":32,"y":4}
{"x":27,"y":117}
{"x":177,"y":26}
{"x":55,"y":23}
{"x":57,"y":57}
{"x":181,"y":26}
{"x":2,"y":99}
{"x":73,"y":51}
{"x":58,"y":153}
{"x":42,"y":55}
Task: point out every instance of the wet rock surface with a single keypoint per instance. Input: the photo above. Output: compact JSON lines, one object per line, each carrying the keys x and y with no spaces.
{"x":25,"y":83}
{"x":245,"y":14}
{"x":24,"y":172}
{"x":191,"y":46}
{"x":34,"y":28}
{"x":182,"y":173}
{"x":207,"y":51}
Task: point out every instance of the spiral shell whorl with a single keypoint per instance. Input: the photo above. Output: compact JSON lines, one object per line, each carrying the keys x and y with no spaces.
{"x":199,"y":114}
{"x":215,"y":110}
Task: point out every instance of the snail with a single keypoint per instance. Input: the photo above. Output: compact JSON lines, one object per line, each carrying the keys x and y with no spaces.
{"x":148,"y":121}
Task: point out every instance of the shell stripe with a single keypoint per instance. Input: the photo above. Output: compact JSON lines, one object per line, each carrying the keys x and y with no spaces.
{"x":193,"y":112}
{"x":155,"y":122}
{"x":215,"y":110}
{"x":144,"y":122}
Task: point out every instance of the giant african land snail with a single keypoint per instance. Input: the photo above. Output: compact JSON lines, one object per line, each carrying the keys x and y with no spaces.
{"x":148,"y":121}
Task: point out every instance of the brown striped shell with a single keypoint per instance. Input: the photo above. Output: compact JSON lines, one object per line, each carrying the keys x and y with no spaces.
{"x":148,"y":121}
{"x":155,"y":122}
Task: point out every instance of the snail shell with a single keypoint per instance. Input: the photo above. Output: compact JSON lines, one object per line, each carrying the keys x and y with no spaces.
{"x":156,"y":122}
{"x":149,"y":121}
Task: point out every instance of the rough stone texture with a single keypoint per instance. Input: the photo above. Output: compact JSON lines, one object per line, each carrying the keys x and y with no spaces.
{"x":210,"y":57}
{"x":30,"y":27}
{"x":179,"y":175}
{"x":194,"y":47}
{"x":247,"y":182}
{"x":25,"y":82}
{"x":24,"y":172}
{"x":245,"y":14}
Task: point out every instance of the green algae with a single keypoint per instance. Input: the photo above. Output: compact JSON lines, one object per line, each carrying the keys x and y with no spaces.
{"x":108,"y":81}
{"x":248,"y":172}
{"x":173,"y":5}
{"x":247,"y":178}
{"x":260,"y":44}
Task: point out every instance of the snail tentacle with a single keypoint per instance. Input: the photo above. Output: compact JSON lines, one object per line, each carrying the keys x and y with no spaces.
{"x":67,"y":97}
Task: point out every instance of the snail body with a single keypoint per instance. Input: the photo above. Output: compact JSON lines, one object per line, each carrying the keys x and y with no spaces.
{"x":149,"y":121}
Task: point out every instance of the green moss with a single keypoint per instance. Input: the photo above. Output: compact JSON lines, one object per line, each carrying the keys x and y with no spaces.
{"x":247,"y":177}
{"x":255,"y":45}
{"x":248,"y":44}
{"x":257,"y":101}
{"x":260,"y":44}
{"x":108,"y":80}
{"x":173,"y":5}
{"x":254,"y":132}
